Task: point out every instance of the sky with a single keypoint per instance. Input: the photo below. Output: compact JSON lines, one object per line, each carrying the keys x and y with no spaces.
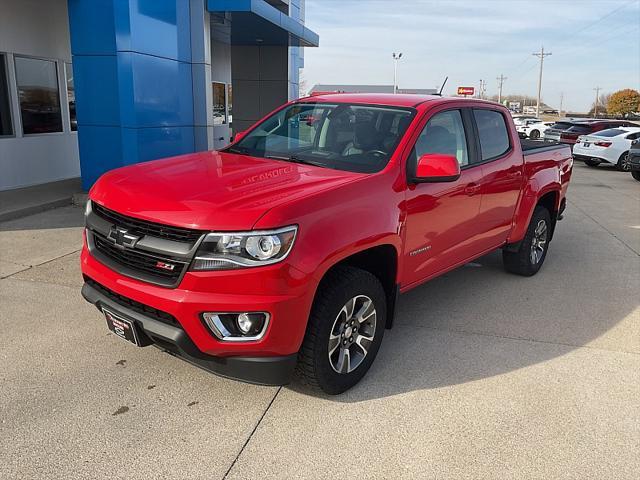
{"x":594,"y":43}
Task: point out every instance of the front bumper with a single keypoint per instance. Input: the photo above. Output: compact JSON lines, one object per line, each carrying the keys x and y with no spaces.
{"x":272,"y":370}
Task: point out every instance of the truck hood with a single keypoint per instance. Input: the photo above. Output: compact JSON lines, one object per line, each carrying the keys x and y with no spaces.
{"x":211,"y":190}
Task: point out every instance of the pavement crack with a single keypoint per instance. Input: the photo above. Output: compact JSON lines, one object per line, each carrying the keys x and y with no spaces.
{"x":251,"y":434}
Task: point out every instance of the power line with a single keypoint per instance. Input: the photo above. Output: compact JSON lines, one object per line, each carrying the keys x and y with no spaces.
{"x":541,"y":54}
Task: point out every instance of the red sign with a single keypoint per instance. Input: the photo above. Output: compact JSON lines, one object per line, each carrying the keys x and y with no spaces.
{"x":466,"y":90}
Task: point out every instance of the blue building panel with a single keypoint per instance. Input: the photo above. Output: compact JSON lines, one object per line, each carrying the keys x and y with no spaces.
{"x":96,"y":88}
{"x":144,"y":144}
{"x":92,"y":27}
{"x":154,"y":91}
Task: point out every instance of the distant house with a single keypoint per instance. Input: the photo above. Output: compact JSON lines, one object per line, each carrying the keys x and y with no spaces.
{"x":322,"y":89}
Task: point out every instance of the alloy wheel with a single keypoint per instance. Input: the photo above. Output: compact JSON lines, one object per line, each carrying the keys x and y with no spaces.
{"x":352,"y":334}
{"x":538,"y":242}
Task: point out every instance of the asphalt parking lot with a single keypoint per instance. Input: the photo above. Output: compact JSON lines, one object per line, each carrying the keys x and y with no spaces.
{"x":485,"y":374}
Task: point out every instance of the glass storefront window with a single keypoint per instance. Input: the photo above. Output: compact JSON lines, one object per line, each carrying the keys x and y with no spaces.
{"x":219,"y":103}
{"x":38,"y":94}
{"x":71,"y":97}
{"x":6,"y":127}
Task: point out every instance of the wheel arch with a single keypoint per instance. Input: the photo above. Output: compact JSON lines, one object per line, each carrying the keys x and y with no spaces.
{"x":382,"y":262}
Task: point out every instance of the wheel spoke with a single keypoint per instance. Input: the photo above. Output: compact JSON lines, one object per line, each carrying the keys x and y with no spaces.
{"x":344,"y":361}
{"x":334,"y":342}
{"x":349,"y":307}
{"x":364,"y":338}
{"x":365,"y":311}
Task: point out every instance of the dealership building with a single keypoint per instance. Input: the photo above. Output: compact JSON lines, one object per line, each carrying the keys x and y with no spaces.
{"x":90,"y":85}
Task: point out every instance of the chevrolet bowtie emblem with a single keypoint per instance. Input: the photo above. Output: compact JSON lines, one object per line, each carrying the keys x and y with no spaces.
{"x":122,"y":238}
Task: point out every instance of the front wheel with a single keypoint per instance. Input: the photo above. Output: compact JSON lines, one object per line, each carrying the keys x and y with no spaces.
{"x":533,"y":249}
{"x":344,"y":331}
{"x":534,"y":135}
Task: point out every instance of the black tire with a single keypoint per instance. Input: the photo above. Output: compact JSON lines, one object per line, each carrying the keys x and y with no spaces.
{"x":623,"y":164}
{"x":592,"y":163}
{"x":521,"y":262}
{"x":534,"y":135}
{"x":335,"y":291}
{"x":636,"y":174}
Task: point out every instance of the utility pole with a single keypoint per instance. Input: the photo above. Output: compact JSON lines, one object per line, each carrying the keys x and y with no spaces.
{"x":501,"y":80}
{"x":597,"y":90}
{"x":395,"y":70}
{"x":482,"y":89}
{"x":561,"y":102}
{"x":541,"y":54}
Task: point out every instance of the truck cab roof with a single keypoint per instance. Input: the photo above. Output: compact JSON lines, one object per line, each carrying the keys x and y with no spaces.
{"x":388,"y":99}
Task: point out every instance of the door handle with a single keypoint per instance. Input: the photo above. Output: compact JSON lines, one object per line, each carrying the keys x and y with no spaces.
{"x":472,"y":189}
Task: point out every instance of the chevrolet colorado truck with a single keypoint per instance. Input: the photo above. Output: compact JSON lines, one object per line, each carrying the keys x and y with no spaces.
{"x":290,"y":247}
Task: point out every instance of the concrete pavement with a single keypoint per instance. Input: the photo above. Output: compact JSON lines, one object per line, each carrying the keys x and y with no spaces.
{"x":485,"y":374}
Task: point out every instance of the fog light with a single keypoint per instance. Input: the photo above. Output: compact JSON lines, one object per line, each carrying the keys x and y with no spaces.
{"x":245,"y":323}
{"x":237,"y":327}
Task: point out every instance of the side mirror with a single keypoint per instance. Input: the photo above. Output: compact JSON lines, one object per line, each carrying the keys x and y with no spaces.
{"x":238,"y":136}
{"x":437,"y":167}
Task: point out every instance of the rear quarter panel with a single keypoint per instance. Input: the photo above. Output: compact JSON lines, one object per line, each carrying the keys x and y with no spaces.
{"x":544,"y":171}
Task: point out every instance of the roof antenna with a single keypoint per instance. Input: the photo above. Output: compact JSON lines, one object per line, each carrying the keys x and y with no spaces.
{"x":442,"y":87}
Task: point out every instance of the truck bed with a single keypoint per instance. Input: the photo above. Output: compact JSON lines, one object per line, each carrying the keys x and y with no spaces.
{"x":530,"y":147}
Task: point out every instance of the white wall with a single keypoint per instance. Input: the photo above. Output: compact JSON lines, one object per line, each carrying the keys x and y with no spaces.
{"x":40,"y":29}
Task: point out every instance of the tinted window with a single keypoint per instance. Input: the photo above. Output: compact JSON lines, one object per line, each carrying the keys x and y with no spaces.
{"x":444,"y":133}
{"x":37,"y":82}
{"x":71,"y":97}
{"x":580,"y":129}
{"x":343,"y":136}
{"x":219,"y":103}
{"x":613,"y":132}
{"x":633,"y":136}
{"x":561,"y":125}
{"x":5,"y":108}
{"x":492,"y":130}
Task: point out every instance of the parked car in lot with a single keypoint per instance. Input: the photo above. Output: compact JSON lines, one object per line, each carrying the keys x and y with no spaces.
{"x":520,"y":120}
{"x":586,"y":127}
{"x":291,"y":246}
{"x":634,"y":159}
{"x":552,"y":134}
{"x":534,"y":129}
{"x":608,"y":146}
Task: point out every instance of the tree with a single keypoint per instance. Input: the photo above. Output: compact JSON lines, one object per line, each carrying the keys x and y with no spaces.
{"x":603,"y":102}
{"x":624,"y":102}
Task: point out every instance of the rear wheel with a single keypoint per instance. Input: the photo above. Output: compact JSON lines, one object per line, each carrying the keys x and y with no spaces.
{"x":592,"y":163}
{"x":533,"y":248}
{"x":636,"y":174}
{"x":345,"y":330}
{"x":534,"y":135}
{"x":623,"y":164}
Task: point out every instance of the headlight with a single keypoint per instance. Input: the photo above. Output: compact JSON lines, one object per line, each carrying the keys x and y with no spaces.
{"x":228,"y":250}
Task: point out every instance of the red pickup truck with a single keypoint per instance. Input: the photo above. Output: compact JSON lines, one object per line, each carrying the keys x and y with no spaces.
{"x":291,"y":246}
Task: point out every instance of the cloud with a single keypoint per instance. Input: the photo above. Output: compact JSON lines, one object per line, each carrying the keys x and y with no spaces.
{"x":592,"y":44}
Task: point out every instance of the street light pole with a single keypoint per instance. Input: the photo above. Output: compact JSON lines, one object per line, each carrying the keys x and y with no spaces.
{"x":501,"y":80}
{"x":597,"y":90}
{"x":396,"y":57}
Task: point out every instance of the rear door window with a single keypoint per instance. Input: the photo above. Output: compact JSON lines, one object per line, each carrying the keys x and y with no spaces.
{"x":493,"y":134}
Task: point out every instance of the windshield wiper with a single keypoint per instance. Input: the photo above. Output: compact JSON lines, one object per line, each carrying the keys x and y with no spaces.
{"x":239,"y":150}
{"x":295,"y":159}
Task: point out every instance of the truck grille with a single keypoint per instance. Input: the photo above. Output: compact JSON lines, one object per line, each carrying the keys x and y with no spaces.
{"x":138,"y":262}
{"x":142,"y":227}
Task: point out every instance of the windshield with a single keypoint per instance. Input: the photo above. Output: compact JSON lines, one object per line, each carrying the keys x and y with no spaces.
{"x":342,"y":136}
